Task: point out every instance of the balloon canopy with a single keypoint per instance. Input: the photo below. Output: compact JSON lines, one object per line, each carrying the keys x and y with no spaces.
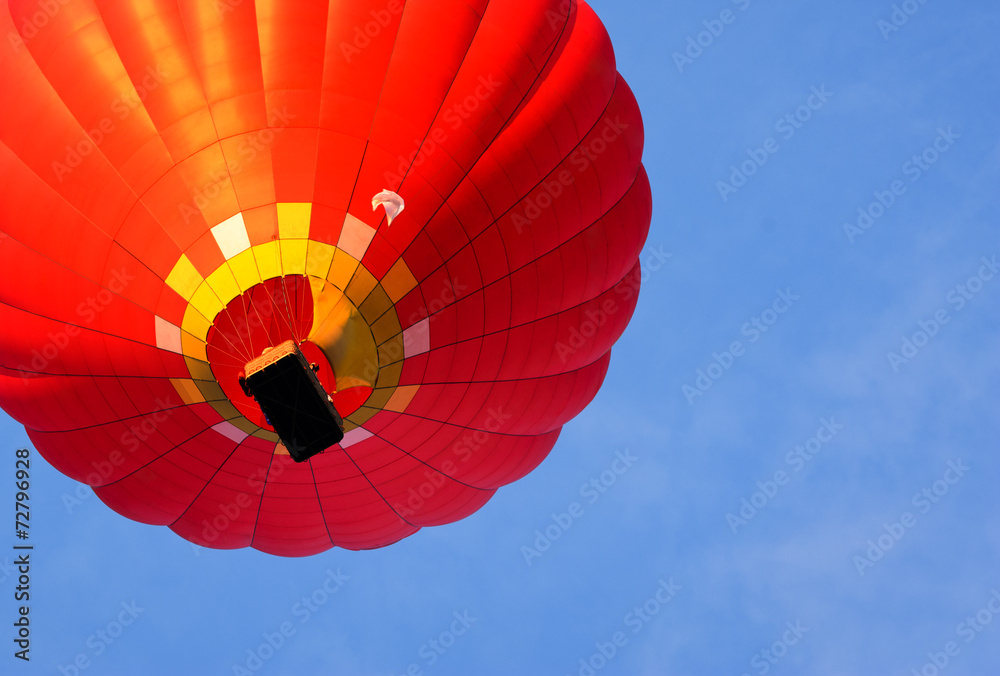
{"x":186,"y":183}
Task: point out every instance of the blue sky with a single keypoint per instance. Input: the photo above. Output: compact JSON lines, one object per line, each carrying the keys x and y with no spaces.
{"x":797,"y":588}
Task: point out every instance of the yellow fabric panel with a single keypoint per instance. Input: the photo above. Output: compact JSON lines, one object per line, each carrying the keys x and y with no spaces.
{"x":363,"y":415}
{"x":391,"y":352}
{"x":244,"y":268}
{"x":340,"y":331}
{"x":293,"y":219}
{"x":293,"y":256}
{"x":268,"y":262}
{"x":243,"y":424}
{"x":401,"y":398}
{"x":211,"y":390}
{"x":199,"y":370}
{"x":342,"y":269}
{"x":399,"y":281}
{"x":193,"y":347}
{"x":319,"y":259}
{"x":206,"y":302}
{"x":379,"y":398}
{"x":388,"y":376}
{"x":226,"y":409}
{"x":184,"y":278}
{"x":195,"y":324}
{"x":332,"y":313}
{"x":376,"y":305}
{"x":361,"y":285}
{"x":224,"y":284}
{"x":188,"y":391}
{"x":386,"y":327}
{"x":266,"y":435}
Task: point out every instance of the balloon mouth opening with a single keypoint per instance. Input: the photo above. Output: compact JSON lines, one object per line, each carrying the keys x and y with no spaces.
{"x":324,"y":327}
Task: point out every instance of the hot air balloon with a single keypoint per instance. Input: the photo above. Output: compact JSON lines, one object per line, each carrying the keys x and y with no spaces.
{"x":185,"y":184}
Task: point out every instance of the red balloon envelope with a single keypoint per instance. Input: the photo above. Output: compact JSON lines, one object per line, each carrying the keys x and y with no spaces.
{"x":184,"y":183}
